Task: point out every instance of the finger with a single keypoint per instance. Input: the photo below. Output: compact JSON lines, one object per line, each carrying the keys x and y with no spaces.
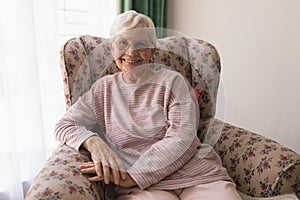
{"x":86,"y":165}
{"x":95,"y":178}
{"x":98,"y":168}
{"x":114,"y":167}
{"x":122,"y":170}
{"x":115,"y":175}
{"x":106,"y":172}
{"x":90,"y":170}
{"x":123,"y":175}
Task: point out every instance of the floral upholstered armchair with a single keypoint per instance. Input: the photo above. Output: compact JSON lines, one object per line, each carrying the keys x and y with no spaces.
{"x":259,"y":166}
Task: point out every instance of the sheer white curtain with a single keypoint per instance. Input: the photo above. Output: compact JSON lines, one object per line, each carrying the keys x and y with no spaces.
{"x":31,"y":93}
{"x":28,"y":66}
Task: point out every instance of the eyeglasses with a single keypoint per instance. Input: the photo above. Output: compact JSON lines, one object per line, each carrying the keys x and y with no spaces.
{"x":123,"y":44}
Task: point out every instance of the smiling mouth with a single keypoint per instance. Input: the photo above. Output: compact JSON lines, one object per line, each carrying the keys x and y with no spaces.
{"x":131,"y":60}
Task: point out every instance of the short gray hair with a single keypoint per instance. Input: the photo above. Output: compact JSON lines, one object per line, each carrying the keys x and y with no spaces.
{"x":130,"y":20}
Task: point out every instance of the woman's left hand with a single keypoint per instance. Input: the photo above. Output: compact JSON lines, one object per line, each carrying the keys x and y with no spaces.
{"x":89,"y":168}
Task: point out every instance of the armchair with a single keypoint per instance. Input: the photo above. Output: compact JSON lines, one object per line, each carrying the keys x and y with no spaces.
{"x":259,"y":166}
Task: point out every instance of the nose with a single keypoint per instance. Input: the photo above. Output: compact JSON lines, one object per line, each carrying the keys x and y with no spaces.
{"x":131,"y":50}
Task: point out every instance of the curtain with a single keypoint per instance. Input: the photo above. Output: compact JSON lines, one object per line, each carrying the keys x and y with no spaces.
{"x":31,"y":87}
{"x":30,"y":92}
{"x":155,"y":9}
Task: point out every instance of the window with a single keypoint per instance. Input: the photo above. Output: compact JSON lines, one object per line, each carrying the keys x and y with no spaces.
{"x":78,"y":17}
{"x":31,"y":87}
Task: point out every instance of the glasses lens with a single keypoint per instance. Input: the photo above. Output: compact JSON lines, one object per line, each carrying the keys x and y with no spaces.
{"x":121,"y":44}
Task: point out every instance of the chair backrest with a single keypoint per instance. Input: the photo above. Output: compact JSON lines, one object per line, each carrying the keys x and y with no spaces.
{"x":86,"y":59}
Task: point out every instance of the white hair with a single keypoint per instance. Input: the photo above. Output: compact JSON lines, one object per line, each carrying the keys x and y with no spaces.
{"x":131,"y":20}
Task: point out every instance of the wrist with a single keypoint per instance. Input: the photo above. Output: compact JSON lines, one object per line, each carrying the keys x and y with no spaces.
{"x":90,"y":143}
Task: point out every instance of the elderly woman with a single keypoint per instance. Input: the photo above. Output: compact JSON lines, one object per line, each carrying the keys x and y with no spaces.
{"x":147,"y":145}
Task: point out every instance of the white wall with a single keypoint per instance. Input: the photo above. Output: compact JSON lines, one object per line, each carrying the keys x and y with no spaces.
{"x":259,"y":44}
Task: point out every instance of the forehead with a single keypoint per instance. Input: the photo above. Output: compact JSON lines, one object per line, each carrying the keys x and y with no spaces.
{"x":134,"y":37}
{"x":137,"y":34}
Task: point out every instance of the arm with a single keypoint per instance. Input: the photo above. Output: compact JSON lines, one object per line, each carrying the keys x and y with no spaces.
{"x":74,"y":127}
{"x":74,"y":130}
{"x":179,"y":144}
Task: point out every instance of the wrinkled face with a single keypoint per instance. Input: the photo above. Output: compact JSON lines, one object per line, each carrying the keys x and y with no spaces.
{"x":131,"y":51}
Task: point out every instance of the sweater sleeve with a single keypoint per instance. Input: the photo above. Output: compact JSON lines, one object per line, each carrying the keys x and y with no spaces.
{"x":74,"y":127}
{"x":179,"y":144}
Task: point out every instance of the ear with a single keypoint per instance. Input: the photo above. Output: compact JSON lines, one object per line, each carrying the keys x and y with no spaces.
{"x":112,"y":50}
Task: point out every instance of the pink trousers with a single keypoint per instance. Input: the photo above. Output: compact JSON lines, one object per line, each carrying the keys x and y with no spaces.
{"x":212,"y":191}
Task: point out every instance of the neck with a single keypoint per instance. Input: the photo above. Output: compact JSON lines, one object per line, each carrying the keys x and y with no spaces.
{"x":137,"y":75}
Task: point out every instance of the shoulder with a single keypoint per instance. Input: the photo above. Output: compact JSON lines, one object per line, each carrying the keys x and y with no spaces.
{"x":171,"y":76}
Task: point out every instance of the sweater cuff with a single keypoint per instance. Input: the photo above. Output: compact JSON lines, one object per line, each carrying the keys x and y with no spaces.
{"x":141,"y":180}
{"x":82,"y":137}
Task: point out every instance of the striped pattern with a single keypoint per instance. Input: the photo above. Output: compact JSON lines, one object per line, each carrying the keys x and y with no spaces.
{"x":151,"y":126}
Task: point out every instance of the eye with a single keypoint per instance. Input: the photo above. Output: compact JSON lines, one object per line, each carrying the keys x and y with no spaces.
{"x":122,"y":43}
{"x":141,"y":45}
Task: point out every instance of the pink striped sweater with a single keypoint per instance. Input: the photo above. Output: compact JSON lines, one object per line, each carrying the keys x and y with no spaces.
{"x":151,"y":126}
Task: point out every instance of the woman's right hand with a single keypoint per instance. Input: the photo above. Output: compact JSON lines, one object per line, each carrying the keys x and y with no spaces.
{"x":105,"y":162}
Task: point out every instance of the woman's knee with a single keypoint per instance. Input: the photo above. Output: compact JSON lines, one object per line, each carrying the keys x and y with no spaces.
{"x":214,"y":191}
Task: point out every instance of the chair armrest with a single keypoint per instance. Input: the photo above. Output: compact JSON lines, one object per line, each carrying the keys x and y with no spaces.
{"x":61,"y":178}
{"x":259,"y":166}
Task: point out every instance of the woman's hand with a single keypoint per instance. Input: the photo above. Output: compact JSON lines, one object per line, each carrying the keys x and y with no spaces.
{"x":90,"y":168}
{"x":106,"y":164}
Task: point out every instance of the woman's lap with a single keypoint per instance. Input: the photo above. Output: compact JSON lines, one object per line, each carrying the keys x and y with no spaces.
{"x":149,"y":195}
{"x":212,"y":191}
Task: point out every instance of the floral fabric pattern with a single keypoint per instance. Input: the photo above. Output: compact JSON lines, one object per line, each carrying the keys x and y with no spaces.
{"x":259,"y":166}
{"x":61,"y":178}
